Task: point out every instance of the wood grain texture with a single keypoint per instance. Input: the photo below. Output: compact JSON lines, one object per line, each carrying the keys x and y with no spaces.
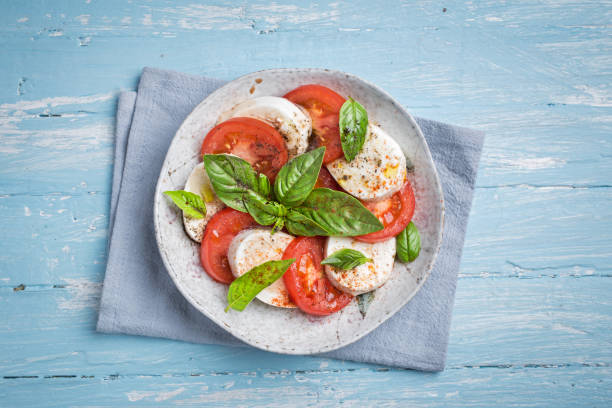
{"x":533,"y":316}
{"x":558,"y":386}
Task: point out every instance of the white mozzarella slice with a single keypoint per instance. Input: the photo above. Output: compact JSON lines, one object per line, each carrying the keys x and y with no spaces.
{"x":291,"y":121}
{"x":199,"y":183}
{"x":368,"y":276}
{"x":253,"y":247}
{"x":378,"y":170}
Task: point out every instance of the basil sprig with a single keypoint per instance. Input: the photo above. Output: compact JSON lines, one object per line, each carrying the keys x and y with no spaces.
{"x":333,"y":212}
{"x":301,"y":209}
{"x":192,"y":204}
{"x":297,"y":178}
{"x":346,"y":258}
{"x":231,"y":177}
{"x":408,"y":243}
{"x":265,"y":212}
{"x":246,"y":287}
{"x":353,"y":123}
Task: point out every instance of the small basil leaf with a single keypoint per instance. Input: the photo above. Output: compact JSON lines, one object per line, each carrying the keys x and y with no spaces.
{"x":231,"y":177}
{"x":408,"y":243}
{"x":298,"y":224}
{"x":363,"y":302}
{"x":297,"y":178}
{"x":346,"y":259}
{"x":264,"y":185}
{"x":338,"y":213}
{"x":192,"y":204}
{"x":263,"y":211}
{"x":353,"y":124}
{"x":247,"y":286}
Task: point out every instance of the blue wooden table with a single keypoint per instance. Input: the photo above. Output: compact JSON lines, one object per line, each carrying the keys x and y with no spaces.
{"x":532,"y":324}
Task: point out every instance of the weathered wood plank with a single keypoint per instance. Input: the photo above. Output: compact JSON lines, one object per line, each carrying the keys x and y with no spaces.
{"x":497,"y":322}
{"x":47,"y":154}
{"x":514,"y":231}
{"x":514,"y":387}
{"x":570,"y":142}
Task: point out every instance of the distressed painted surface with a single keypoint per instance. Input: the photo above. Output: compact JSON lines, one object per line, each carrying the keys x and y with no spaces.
{"x":533,"y":315}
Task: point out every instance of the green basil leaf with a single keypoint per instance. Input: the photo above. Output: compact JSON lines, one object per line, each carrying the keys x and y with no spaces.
{"x":247,"y":286}
{"x":338,"y":213}
{"x":363,"y":302}
{"x":346,"y":259}
{"x":297,"y":178}
{"x":231,"y":177}
{"x":353,"y":124}
{"x":408,"y":243}
{"x":263,"y":211}
{"x":298,"y":224}
{"x":264,"y":185}
{"x":192,"y":204}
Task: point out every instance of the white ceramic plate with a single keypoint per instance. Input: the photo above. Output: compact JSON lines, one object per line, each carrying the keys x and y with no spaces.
{"x":289,"y":330}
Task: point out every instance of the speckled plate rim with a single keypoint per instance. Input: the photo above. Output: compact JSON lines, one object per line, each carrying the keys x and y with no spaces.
{"x":219,"y":322}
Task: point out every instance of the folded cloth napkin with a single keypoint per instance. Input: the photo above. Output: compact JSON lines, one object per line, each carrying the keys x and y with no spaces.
{"x":140,"y":298}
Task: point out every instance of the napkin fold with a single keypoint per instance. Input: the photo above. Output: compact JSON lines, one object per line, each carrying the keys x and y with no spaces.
{"x":139,"y":298}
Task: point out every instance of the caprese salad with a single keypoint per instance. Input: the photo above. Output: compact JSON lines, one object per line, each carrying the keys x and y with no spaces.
{"x":299,"y":201}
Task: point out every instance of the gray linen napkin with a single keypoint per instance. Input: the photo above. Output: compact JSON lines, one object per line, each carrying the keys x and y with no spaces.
{"x":139,"y":297}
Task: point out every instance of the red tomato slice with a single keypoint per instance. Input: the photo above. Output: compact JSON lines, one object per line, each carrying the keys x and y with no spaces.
{"x":394,"y":212}
{"x":220,"y":230}
{"x":251,"y":139}
{"x":323,"y":105}
{"x":325,"y":180}
{"x":305,"y":279}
